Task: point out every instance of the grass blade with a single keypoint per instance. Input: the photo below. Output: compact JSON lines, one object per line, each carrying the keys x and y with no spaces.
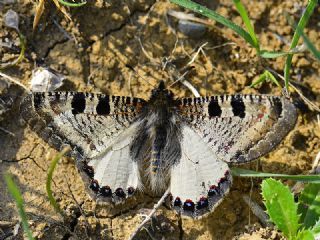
{"x":74,"y":4}
{"x":53,"y":165}
{"x":280,"y":206}
{"x":15,"y":193}
{"x":249,"y":173}
{"x":261,"y":79}
{"x":307,"y":42}
{"x":310,"y":46}
{"x":22,"y":43}
{"x":244,"y":15}
{"x":301,"y":25}
{"x":309,"y":205}
{"x":217,"y":17}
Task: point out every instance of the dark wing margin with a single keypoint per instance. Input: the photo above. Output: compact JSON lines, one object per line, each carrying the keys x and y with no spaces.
{"x":239,"y":128}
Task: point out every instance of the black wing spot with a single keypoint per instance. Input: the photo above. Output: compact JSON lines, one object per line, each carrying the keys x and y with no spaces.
{"x":78,"y":103}
{"x":103,"y":107}
{"x":105,"y":191}
{"x":214,"y":109}
{"x":120,"y":193}
{"x":238,"y":107}
{"x":94,"y":186}
{"x":188,"y":205}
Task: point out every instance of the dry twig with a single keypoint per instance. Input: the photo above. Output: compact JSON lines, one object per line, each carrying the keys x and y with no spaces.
{"x":148,"y":218}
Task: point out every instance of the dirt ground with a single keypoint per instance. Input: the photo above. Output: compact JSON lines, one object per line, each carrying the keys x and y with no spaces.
{"x":94,"y":51}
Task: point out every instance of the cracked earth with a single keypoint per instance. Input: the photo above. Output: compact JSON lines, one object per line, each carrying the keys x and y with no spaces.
{"x":96,"y":52}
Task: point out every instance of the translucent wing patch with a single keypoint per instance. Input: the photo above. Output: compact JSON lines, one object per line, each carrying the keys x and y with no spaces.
{"x":199,"y":180}
{"x":239,"y":128}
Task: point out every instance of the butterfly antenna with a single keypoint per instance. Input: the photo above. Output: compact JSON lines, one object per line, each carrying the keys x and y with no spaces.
{"x":186,"y":83}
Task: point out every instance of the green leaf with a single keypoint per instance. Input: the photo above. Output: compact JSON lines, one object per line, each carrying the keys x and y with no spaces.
{"x":244,"y":15}
{"x":217,"y":17}
{"x":280,"y":206}
{"x":272,"y":54}
{"x":15,"y":193}
{"x":309,"y":205}
{"x":249,"y":173}
{"x":305,"y":234}
{"x":301,"y":25}
{"x":266,"y":75}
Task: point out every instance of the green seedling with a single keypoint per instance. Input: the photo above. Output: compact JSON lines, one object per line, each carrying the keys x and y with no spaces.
{"x":15,"y":193}
{"x":52,"y":167}
{"x":297,"y":221}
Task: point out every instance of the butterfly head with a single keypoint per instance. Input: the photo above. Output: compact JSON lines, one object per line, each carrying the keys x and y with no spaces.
{"x":161,"y":92}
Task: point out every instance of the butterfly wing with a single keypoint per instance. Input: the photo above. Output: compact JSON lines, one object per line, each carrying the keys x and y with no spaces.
{"x":239,"y":128}
{"x":199,"y":180}
{"x":98,"y":128}
{"x":219,"y":130}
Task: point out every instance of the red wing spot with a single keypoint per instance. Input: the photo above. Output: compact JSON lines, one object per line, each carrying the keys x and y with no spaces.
{"x":177,"y":202}
{"x":222,"y":180}
{"x":202,"y":203}
{"x":260,"y":116}
{"x":188,"y":205}
{"x":213,"y":191}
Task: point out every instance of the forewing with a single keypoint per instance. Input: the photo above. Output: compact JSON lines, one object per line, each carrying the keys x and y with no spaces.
{"x":87,"y":122}
{"x":239,"y":128}
{"x":199,"y":180}
{"x":98,"y":128}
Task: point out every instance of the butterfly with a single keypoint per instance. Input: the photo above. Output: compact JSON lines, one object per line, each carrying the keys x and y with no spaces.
{"x":124,"y":145}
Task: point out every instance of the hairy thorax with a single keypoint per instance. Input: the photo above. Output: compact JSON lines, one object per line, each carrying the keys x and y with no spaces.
{"x":156,"y":146}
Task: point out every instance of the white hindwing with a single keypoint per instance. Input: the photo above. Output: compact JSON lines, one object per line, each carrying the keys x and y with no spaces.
{"x":114,"y":169}
{"x":199,"y":180}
